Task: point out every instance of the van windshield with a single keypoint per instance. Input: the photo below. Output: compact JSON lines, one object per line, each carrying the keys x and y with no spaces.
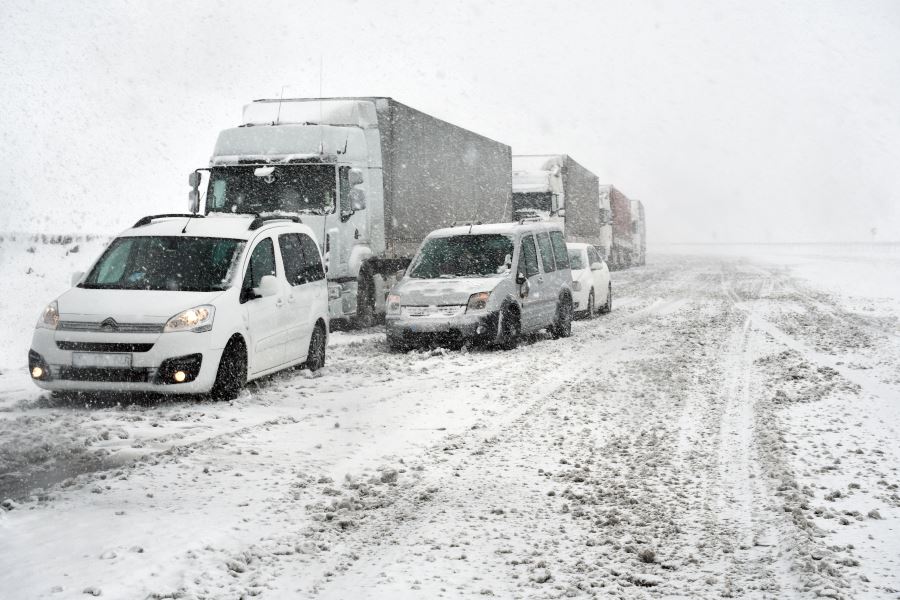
{"x":177,"y":264}
{"x":463,"y":256}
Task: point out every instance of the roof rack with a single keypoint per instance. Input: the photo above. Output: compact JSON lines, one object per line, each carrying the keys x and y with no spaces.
{"x":259,"y":221}
{"x":150,"y":218}
{"x":465,"y":223}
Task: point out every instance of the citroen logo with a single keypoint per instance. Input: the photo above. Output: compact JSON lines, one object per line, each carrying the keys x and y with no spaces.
{"x":109,"y":324}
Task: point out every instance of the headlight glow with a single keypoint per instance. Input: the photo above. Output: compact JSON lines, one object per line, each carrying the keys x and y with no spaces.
{"x":478,"y":301}
{"x":50,"y":317}
{"x":197,"y":319}
{"x":393,"y":304}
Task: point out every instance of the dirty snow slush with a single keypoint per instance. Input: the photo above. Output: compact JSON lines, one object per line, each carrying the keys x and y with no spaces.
{"x":727,"y":431}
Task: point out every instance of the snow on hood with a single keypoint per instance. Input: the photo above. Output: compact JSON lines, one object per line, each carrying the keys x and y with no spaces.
{"x":128,"y":306}
{"x":438,"y":292}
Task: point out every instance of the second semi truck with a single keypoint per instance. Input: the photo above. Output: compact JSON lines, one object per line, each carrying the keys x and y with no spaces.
{"x":371,"y":176}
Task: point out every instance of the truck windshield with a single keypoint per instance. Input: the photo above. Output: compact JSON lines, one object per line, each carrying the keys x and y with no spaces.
{"x":530,"y":203}
{"x":185,"y":264}
{"x":310,"y":189}
{"x":463,"y":256}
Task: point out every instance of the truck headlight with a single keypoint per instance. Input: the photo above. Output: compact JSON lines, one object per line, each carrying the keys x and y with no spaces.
{"x":49,"y":319}
{"x":393,"y":304}
{"x":197,"y":319}
{"x":478,"y":301}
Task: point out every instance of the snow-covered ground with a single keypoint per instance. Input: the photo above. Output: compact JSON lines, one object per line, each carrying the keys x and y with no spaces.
{"x":729,"y":430}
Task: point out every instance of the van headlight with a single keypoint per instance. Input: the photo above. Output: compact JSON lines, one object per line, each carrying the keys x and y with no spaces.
{"x":478,"y":301}
{"x":393,"y":304}
{"x":197,"y":319}
{"x":49,"y":319}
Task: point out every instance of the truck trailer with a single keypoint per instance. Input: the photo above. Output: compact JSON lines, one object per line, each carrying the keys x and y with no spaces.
{"x":622,"y":230}
{"x":639,"y":232}
{"x":555,"y":187}
{"x":371,"y":176}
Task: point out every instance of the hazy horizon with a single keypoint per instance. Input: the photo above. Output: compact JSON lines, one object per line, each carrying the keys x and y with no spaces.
{"x":770,"y":122}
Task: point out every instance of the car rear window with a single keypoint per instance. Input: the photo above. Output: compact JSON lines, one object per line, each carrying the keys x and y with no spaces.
{"x":575,"y":260}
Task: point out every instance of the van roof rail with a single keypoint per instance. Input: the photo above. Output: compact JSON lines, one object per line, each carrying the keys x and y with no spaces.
{"x":259,"y":221}
{"x":150,"y":218}
{"x":465,"y":223}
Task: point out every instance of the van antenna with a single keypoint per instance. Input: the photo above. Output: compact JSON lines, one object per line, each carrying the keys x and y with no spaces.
{"x":280,"y":100}
{"x":321,"y":131}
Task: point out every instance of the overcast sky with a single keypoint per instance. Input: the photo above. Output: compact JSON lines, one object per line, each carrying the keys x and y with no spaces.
{"x":732,"y":121}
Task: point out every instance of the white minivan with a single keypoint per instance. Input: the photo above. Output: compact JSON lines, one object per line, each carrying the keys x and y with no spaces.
{"x":186,"y":304}
{"x":483,"y":283}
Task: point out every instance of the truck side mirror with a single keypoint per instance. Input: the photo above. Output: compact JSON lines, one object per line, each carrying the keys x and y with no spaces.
{"x":194,"y":201}
{"x":194,"y":194}
{"x":357,"y":199}
{"x":355,"y":176}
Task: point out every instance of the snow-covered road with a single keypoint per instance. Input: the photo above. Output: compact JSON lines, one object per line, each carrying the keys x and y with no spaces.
{"x":730,"y":429}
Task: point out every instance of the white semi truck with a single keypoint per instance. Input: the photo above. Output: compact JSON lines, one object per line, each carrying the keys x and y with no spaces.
{"x":556,"y":187}
{"x":371,"y":176}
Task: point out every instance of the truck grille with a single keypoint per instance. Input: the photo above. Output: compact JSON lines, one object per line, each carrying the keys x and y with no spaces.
{"x":103,"y":347}
{"x":450,"y":310}
{"x":103,"y":374}
{"x":118,"y":328}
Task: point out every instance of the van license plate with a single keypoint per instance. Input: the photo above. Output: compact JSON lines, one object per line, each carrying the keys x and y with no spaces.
{"x":98,"y":359}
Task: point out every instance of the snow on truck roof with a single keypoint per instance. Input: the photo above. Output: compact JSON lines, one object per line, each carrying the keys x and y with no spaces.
{"x":219,"y":225}
{"x":321,"y":111}
{"x":496,"y":228}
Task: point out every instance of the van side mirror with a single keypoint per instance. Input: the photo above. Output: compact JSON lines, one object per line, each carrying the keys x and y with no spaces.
{"x":76,"y":278}
{"x":520,"y":278}
{"x":268,"y":286}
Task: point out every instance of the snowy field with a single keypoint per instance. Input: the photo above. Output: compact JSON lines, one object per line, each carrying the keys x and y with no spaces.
{"x":729,"y":430}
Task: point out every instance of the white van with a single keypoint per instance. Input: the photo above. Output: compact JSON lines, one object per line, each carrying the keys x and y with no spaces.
{"x":484,"y":283}
{"x":182,"y":304}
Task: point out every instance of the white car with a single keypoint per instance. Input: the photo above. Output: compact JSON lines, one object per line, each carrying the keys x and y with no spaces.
{"x":591,"y":285}
{"x":483,"y":283}
{"x":182,"y":304}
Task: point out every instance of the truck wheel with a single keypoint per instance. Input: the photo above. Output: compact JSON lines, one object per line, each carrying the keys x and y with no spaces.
{"x":315,"y":358}
{"x":562,"y":326}
{"x":608,"y":306}
{"x":231,"y":376}
{"x":510,"y":330}
{"x":365,"y":300}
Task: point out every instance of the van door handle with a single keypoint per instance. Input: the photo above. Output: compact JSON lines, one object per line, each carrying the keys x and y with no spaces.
{"x":540,"y":280}
{"x":279,"y":303}
{"x":291,"y":298}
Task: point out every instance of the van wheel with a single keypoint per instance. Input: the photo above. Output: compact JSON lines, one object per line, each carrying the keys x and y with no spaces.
{"x":232,"y":374}
{"x":608,"y":306}
{"x":315,"y":358}
{"x":510,"y":330}
{"x":591,"y":309}
{"x":562,"y":326}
